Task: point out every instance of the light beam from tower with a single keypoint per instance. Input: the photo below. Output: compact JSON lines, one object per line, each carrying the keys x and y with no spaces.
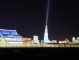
{"x":47,"y":15}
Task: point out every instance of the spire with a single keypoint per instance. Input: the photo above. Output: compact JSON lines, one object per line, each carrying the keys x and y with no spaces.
{"x":46,"y":39}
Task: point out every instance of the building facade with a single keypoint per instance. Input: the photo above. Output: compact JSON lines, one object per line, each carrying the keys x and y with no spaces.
{"x":35,"y":39}
{"x":10,"y":37}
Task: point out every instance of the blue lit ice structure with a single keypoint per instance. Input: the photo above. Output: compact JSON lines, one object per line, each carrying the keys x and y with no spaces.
{"x":46,"y":39}
{"x":10,"y":36}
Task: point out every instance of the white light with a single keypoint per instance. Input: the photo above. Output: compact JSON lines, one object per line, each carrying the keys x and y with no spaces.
{"x":46,"y":25}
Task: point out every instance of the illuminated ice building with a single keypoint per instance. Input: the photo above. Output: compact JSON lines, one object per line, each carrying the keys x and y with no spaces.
{"x":46,"y":39}
{"x":10,"y":37}
{"x":35,"y":39}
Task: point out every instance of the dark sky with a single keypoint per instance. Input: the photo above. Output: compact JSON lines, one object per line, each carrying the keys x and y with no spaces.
{"x":28,"y":17}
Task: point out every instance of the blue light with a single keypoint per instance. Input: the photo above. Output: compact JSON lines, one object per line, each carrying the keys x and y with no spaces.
{"x":9,"y":33}
{"x":48,"y":2}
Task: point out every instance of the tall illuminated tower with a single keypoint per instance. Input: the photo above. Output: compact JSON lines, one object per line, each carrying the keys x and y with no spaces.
{"x":46,"y":39}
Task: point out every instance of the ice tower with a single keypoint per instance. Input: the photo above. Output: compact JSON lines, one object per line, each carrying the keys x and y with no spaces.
{"x":46,"y":39}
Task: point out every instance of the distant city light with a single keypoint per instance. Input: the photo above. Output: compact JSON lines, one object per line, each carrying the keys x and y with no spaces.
{"x":10,"y":39}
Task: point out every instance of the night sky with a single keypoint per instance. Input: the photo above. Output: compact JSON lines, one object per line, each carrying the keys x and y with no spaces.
{"x":28,"y":17}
